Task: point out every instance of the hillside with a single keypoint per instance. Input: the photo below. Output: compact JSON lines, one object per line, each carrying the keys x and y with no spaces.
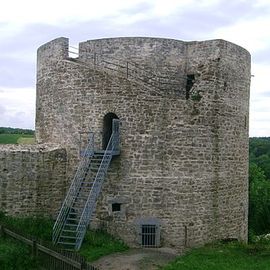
{"x":16,"y":136}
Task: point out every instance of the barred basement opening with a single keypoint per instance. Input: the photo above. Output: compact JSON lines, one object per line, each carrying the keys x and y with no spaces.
{"x":149,"y":235}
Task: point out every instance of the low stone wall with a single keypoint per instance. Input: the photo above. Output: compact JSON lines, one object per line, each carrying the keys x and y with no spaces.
{"x":32,"y":179}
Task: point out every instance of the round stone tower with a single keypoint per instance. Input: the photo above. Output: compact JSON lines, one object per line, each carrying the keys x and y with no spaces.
{"x":181,"y":178}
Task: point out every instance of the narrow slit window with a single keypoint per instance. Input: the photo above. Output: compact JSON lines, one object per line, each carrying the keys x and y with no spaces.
{"x":189,"y":84}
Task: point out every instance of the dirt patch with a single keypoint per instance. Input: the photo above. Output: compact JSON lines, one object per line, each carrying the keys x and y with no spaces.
{"x":136,"y":259}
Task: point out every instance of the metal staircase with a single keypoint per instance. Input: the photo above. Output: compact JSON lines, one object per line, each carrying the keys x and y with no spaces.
{"x":79,"y":205}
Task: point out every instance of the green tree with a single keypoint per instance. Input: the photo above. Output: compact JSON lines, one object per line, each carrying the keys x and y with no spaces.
{"x":259,"y":200}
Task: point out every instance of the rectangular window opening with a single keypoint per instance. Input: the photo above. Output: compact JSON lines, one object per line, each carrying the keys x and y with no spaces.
{"x":116,"y":207}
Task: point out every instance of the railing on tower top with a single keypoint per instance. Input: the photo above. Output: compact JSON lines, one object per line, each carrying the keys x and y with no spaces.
{"x":74,"y":187}
{"x":73,"y":52}
{"x":132,"y":70}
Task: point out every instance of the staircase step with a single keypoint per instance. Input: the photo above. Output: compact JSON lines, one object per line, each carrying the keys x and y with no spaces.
{"x":76,"y":208}
{"x":83,"y":194}
{"x":81,"y":199}
{"x":69,"y":231}
{"x":67,"y":237}
{"x":65,"y":233}
{"x":73,"y":219}
{"x":66,"y":243}
{"x":91,"y":183}
{"x":99,"y":152}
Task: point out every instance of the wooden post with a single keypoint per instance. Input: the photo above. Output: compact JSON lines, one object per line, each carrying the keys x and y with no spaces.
{"x":2,"y":231}
{"x":83,"y":265}
{"x":34,"y":248}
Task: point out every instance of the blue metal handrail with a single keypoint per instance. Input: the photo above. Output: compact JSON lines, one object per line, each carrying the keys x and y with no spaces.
{"x":74,"y":188}
{"x":113,"y":145}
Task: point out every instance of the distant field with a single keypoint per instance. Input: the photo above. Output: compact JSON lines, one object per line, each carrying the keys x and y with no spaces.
{"x":16,"y":139}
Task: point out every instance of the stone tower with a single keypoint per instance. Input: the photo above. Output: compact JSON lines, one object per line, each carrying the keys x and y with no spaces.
{"x":183,"y":109}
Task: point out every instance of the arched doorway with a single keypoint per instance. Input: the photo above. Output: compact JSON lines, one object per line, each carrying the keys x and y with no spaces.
{"x":107,"y":128}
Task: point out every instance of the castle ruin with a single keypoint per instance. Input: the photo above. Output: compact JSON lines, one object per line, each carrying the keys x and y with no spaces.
{"x":179,"y":177}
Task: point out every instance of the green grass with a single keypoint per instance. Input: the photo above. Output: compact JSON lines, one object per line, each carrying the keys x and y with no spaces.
{"x":15,"y":256}
{"x":26,"y":140}
{"x":16,"y":139}
{"x":99,"y":243}
{"x":96,"y":243}
{"x":40,"y":227}
{"x":233,"y":256}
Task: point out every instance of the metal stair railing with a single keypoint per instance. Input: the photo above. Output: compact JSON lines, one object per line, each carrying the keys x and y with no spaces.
{"x":89,"y":207}
{"x":134,"y":70}
{"x":74,"y":188}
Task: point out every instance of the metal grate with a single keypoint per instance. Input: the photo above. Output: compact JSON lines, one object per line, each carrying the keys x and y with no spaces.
{"x":149,"y":235}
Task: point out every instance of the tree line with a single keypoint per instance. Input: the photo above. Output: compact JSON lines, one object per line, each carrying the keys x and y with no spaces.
{"x":9,"y":130}
{"x":259,"y":185}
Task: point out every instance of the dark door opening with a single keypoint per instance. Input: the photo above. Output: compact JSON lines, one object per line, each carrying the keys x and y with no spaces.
{"x":189,"y":84}
{"x":107,"y":128}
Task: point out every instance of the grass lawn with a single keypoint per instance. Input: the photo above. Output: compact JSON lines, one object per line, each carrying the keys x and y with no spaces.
{"x":232,"y":256}
{"x":16,"y":138}
{"x":15,"y":256}
{"x":99,"y":243}
{"x":96,"y":243}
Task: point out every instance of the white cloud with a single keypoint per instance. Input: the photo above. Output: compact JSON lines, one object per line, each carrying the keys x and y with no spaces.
{"x":60,"y":11}
{"x":17,"y":107}
{"x":251,"y":34}
{"x":64,"y":11}
{"x":259,"y":83}
{"x":260,"y":100}
{"x":261,"y":3}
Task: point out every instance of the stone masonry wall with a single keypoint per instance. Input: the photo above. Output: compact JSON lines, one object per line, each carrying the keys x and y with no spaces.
{"x":183,"y":161}
{"x":32,"y":179}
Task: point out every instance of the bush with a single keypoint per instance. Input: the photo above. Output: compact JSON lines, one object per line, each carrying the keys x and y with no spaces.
{"x":14,"y":255}
{"x":259,"y":201}
{"x":39,"y":226}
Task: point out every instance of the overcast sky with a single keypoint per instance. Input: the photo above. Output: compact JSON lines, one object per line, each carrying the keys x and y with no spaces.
{"x":25,"y":25}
